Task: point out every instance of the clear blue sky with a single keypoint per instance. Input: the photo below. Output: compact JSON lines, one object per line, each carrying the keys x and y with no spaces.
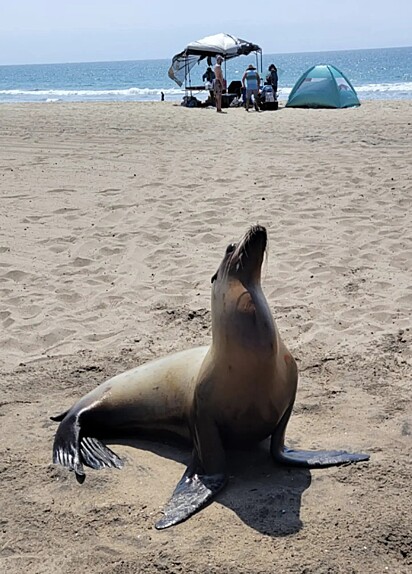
{"x":46,"y":31}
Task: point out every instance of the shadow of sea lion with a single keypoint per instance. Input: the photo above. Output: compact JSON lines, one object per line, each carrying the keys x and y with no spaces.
{"x":265,"y":496}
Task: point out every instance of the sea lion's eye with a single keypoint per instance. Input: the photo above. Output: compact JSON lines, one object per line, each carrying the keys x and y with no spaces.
{"x":214,"y":277}
{"x":230,"y":248}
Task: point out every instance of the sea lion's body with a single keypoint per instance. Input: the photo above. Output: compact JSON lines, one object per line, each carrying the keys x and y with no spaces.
{"x":240,"y":389}
{"x":155,"y":395}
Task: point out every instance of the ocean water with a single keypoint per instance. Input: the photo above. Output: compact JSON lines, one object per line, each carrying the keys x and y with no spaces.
{"x":379,"y":74}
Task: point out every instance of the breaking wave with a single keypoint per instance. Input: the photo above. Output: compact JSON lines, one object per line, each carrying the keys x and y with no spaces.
{"x":129,"y":94}
{"x":391,"y":91}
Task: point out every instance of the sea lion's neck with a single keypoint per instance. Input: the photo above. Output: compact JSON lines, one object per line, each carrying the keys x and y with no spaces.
{"x":241,"y":320}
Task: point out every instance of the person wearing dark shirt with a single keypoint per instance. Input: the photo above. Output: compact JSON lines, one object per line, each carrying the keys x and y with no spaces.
{"x":208,"y":78}
{"x":272,"y":78}
{"x":209,"y":75}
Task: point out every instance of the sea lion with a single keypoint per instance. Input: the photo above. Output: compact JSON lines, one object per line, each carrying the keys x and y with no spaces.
{"x":240,"y":389}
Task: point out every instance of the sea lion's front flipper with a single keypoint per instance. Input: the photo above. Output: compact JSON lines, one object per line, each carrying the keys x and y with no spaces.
{"x":308,"y":458}
{"x":193,"y":491}
{"x":317,"y":458}
{"x":205,"y":475}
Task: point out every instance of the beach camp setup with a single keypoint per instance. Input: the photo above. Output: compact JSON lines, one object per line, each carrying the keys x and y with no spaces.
{"x":208,"y":49}
{"x":323,"y":86}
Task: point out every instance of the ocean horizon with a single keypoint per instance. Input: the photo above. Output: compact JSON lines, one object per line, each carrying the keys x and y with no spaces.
{"x":376,"y":74}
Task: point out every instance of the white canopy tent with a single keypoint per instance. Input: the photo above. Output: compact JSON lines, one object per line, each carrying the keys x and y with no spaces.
{"x":210,"y":47}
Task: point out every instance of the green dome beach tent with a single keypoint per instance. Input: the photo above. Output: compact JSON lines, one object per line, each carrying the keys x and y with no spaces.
{"x":323,"y":86}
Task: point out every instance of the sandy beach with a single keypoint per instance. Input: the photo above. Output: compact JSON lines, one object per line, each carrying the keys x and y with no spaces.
{"x":113,"y":219}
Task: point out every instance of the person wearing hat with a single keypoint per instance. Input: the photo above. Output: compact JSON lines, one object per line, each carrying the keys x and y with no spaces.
{"x":272,"y":78}
{"x":251,"y":83}
{"x":218,"y":83}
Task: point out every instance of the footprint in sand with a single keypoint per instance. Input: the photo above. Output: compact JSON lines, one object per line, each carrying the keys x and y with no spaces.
{"x":17,"y":275}
{"x":81,"y":262}
{"x":62,"y":190}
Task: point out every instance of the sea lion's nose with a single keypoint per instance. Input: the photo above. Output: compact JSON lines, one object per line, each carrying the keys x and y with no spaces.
{"x":258,"y":230}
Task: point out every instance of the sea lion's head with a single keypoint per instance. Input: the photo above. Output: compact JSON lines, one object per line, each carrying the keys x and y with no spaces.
{"x":243,"y":261}
{"x":240,"y":313}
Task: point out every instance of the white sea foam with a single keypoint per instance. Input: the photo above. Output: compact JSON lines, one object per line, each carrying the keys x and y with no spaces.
{"x":93,"y":93}
{"x":404,"y":87}
{"x":368,"y":91}
{"x":401,"y":88}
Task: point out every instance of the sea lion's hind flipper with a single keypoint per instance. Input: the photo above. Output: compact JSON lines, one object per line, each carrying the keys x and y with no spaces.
{"x":308,"y":458}
{"x":66,"y":447}
{"x":60,"y":417}
{"x":192,"y":493}
{"x":96,"y":455}
{"x":72,"y":451}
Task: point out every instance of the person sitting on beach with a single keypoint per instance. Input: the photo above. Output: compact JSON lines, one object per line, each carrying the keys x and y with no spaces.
{"x":266,"y":96}
{"x":218,"y":84}
{"x":209,"y":75}
{"x":208,"y":78}
{"x":251,"y":82}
